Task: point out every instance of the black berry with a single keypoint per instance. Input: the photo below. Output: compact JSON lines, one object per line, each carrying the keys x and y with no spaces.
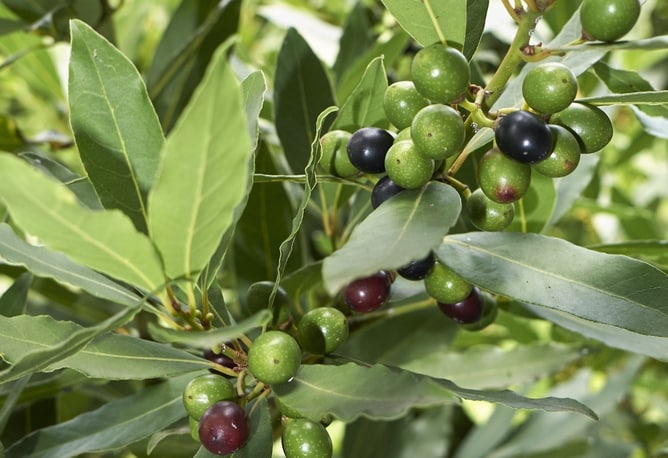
{"x":367,"y":149}
{"x":383,"y":190}
{"x":524,"y":137}
{"x":419,"y":268}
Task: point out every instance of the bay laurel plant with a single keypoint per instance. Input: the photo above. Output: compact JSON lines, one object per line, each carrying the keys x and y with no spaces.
{"x":403,"y":228}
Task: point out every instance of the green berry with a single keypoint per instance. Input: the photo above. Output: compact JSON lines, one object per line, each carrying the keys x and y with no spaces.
{"x":304,"y":438}
{"x":440,"y":73}
{"x":334,"y":154}
{"x":204,"y":391}
{"x":590,"y":124}
{"x":401,"y":101}
{"x":403,"y":134}
{"x":406,"y":167}
{"x":565,"y":154}
{"x":274,"y":357}
{"x":501,"y":178}
{"x":438,"y":131}
{"x":323,"y":330}
{"x":608,"y":20}
{"x":487,"y":215}
{"x":549,"y":87}
{"x":258,"y":295}
{"x":445,"y":285}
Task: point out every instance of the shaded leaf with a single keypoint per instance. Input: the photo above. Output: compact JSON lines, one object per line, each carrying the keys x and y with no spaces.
{"x":403,"y":228}
{"x":191,"y":207}
{"x":569,"y":188}
{"x":653,"y":251}
{"x":608,"y":289}
{"x":536,"y":207}
{"x":476,"y":15}
{"x":356,"y":38}
{"x":13,"y":300}
{"x":116,"y":129}
{"x":636,"y":98}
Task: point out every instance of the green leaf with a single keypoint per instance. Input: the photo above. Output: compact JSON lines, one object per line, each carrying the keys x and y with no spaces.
{"x":364,"y":107}
{"x":191,"y":207}
{"x":14,"y":392}
{"x":570,"y":188}
{"x":208,"y":339}
{"x":103,"y":240}
{"x":301,"y":92}
{"x":404,"y":228}
{"x":449,"y":19}
{"x":114,"y":425}
{"x":608,"y":289}
{"x":13,"y":300}
{"x":260,"y":441}
{"x":356,"y":38}
{"x":107,"y":356}
{"x":652,"y":251}
{"x":476,"y":15}
{"x":636,"y":98}
{"x":621,"y":81}
{"x":350,"y":391}
{"x":534,"y":210}
{"x":115,"y":127}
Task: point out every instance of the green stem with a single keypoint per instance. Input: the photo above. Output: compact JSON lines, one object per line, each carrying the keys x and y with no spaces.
{"x":394,"y":311}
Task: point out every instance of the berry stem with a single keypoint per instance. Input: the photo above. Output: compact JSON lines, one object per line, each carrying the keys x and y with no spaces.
{"x":434,"y":21}
{"x":523,"y":219}
{"x":393,"y":311}
{"x":511,"y":10}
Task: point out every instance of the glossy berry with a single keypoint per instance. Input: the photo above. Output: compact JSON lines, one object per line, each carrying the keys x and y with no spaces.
{"x":565,"y":155}
{"x":501,"y":178}
{"x":590,"y":124}
{"x":304,"y":438}
{"x":490,"y":310}
{"x":419,"y":268}
{"x":223,"y":428}
{"x":401,"y":102}
{"x":438,"y":131}
{"x":468,"y":310}
{"x":487,"y":215}
{"x":274,"y":357}
{"x":322,"y":330}
{"x":368,"y":293}
{"x":407,"y":167}
{"x":549,"y":87}
{"x":445,"y":285}
{"x":383,"y":190}
{"x":440,"y":73}
{"x":334,"y":158}
{"x":523,"y":137}
{"x":258,"y":296}
{"x":608,"y":20}
{"x":205,"y":390}
{"x":367,"y":149}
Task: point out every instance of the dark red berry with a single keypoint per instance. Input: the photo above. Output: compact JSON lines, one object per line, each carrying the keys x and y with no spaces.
{"x":218,"y":358}
{"x":418,"y":269}
{"x":524,"y":137}
{"x":470,"y":310}
{"x":367,"y":149}
{"x":369,"y":293}
{"x":223,"y":428}
{"x":383,"y":190}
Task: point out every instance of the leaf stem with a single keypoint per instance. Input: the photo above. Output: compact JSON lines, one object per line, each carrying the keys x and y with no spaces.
{"x":523,"y":219}
{"x":434,"y":21}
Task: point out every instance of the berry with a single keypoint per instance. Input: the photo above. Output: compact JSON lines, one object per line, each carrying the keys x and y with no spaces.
{"x":367,"y":148}
{"x":406,"y":167}
{"x":383,"y":190}
{"x":368,"y":293}
{"x":274,"y":357}
{"x":203,"y":391}
{"x":335,"y":159}
{"x":304,"y":438}
{"x":490,"y":310}
{"x":218,"y":358}
{"x":468,"y":310}
{"x":438,"y":131}
{"x":565,"y":154}
{"x":440,"y":73}
{"x":403,"y":134}
{"x":549,"y":87}
{"x":590,"y":124}
{"x":401,"y":101}
{"x":608,"y":20}
{"x":445,"y":285}
{"x":523,"y":136}
{"x":258,"y":295}
{"x":487,"y":215}
{"x":223,"y":428}
{"x":419,"y":268}
{"x":322,"y":330}
{"x":502,"y":179}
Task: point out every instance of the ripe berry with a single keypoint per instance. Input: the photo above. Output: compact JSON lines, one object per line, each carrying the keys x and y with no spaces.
{"x":487,"y":215}
{"x":406,"y":167}
{"x":608,"y":20}
{"x":501,"y":178}
{"x":565,"y":154}
{"x":304,"y":438}
{"x":549,"y":87}
{"x":590,"y":124}
{"x":445,"y":285}
{"x":367,"y":148}
{"x":468,"y":310}
{"x":438,"y":131}
{"x":223,"y":428}
{"x":440,"y":73}
{"x":383,"y":190}
{"x":523,"y":136}
{"x":419,"y":268}
{"x":368,"y":293}
{"x":322,"y":330}
{"x":401,"y":101}
{"x":274,"y":357}
{"x":218,"y":358}
{"x":203,"y":391}
{"x":335,"y":159}
{"x":490,"y":310}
